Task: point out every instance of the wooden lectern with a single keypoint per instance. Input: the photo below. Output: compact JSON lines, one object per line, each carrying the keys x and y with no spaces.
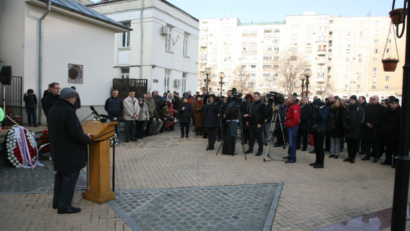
{"x":99,"y":161}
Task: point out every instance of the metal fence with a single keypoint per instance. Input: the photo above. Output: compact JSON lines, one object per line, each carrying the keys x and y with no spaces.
{"x":14,"y":98}
{"x":125,"y":85}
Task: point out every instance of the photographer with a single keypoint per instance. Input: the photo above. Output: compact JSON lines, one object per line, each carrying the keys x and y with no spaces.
{"x":268,"y":119}
{"x":352,"y":123}
{"x":210,"y":111}
{"x":256,"y":123}
{"x":317,"y":127}
{"x":245,"y":108}
{"x":232,"y":116}
{"x":292,"y":122}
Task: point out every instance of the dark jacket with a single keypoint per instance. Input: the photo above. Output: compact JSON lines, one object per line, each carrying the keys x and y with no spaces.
{"x":282,"y":113}
{"x":364,"y":105}
{"x":176,"y":102}
{"x":391,"y":124}
{"x":319,"y":116}
{"x":210,"y":112}
{"x":258,"y":113}
{"x":48,"y":101}
{"x":374,"y":115}
{"x":185,"y":115}
{"x":269,"y":113}
{"x":231,"y":111}
{"x":67,"y":138}
{"x":338,"y":131}
{"x":158,"y":101}
{"x":352,"y":121}
{"x":245,"y":107}
{"x":31,"y":101}
{"x":77,"y":103}
{"x":114,"y":106}
{"x":305,"y":115}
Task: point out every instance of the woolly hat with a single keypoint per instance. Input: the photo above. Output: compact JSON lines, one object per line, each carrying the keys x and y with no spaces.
{"x":67,"y":93}
{"x":317,"y":102}
{"x":353,"y":97}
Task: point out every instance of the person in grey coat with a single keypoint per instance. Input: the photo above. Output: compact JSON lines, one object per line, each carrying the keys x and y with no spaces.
{"x":142,"y":118}
{"x":131,"y":112}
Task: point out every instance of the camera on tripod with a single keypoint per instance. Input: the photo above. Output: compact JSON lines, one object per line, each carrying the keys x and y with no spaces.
{"x":237,"y":96}
{"x":276,"y":98}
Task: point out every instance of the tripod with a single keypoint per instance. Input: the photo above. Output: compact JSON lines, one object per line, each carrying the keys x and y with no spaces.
{"x":275,"y":116}
{"x":242,"y":138}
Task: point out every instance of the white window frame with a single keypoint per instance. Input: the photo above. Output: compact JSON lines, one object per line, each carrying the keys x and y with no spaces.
{"x":125,"y":75}
{"x":166,"y":79}
{"x":125,"y":36}
{"x":168,"y":39}
{"x":186,"y":39}
{"x":184,"y":78}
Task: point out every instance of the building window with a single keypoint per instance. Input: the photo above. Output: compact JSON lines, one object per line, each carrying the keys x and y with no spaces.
{"x":275,"y":66}
{"x":376,"y":51}
{"x":293,"y":49}
{"x":125,"y":72}
{"x":387,"y":78}
{"x":168,"y":41}
{"x":276,"y":49}
{"x":308,"y":49}
{"x":184,"y":78}
{"x":360,"y":60}
{"x":374,"y":79}
{"x":349,"y":33}
{"x":386,"y":87}
{"x":347,"y":60}
{"x":358,"y":87}
{"x":186,"y":36}
{"x":361,"y":33}
{"x":267,"y":66}
{"x":374,"y":69}
{"x":346,"y":87}
{"x":166,"y":79}
{"x":276,"y":58}
{"x":253,"y":66}
{"x":266,"y":74}
{"x":293,"y":58}
{"x":388,"y":51}
{"x":125,"y":40}
{"x":347,"y":51}
{"x":376,"y":42}
{"x":359,"y":78}
{"x":374,"y":60}
{"x":331,"y":22}
{"x":373,"y":87}
{"x":243,"y":66}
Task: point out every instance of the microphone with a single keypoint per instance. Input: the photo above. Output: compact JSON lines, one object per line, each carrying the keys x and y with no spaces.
{"x":112,"y":118}
{"x":94,"y":111}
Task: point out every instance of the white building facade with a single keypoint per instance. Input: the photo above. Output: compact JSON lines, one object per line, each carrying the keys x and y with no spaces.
{"x":169,"y":44}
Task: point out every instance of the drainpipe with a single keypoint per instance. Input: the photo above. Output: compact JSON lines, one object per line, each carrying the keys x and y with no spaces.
{"x":141,"y":45}
{"x":40,"y":60}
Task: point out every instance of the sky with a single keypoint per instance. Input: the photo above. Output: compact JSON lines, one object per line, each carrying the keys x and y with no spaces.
{"x":271,"y":10}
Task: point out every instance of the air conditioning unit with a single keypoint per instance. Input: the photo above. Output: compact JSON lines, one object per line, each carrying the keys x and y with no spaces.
{"x":164,"y":30}
{"x":177,"y":82}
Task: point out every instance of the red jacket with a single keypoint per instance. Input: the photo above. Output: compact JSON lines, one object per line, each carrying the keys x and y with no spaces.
{"x":292,"y":115}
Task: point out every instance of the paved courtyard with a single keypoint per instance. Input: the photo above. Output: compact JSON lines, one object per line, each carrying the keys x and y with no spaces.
{"x":171,"y":170}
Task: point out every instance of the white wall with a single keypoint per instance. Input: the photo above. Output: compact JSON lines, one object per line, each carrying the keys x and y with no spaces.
{"x":69,"y":40}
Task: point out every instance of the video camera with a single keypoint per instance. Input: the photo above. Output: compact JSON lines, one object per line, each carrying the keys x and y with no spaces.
{"x":237,"y":96}
{"x":276,"y":98}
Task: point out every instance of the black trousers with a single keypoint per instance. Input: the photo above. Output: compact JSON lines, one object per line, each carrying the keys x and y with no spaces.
{"x":219,"y":132}
{"x":302,"y":135}
{"x":320,"y":152}
{"x":139,"y":129}
{"x":211,"y":135}
{"x":342,"y":143}
{"x":129,"y":129}
{"x":362,"y":140}
{"x":64,"y":184}
{"x":279,"y":136}
{"x":184,"y":128}
{"x":376,"y":148}
{"x":148,"y":131}
{"x":392,"y":148}
{"x":352,"y":148}
{"x":327,"y":143}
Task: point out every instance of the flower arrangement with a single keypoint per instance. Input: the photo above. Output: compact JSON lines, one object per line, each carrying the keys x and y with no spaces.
{"x":21,"y":148}
{"x":44,"y":139}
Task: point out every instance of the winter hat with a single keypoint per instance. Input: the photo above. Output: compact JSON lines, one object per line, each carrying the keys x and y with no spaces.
{"x":169,"y":104}
{"x":353,"y":97}
{"x":67,"y":93}
{"x":317,"y":102}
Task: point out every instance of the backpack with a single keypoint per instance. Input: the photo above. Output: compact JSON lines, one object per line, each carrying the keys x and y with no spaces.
{"x":331,"y":122}
{"x":228,"y":147}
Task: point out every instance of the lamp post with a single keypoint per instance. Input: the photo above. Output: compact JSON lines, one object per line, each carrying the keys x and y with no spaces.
{"x":221,"y":76}
{"x":402,"y":161}
{"x":207,"y":73}
{"x":303,"y":78}
{"x":307,"y":73}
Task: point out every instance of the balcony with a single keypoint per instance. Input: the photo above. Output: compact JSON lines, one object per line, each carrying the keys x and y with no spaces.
{"x":204,"y":45}
{"x":320,"y":80}
{"x":321,"y":53}
{"x":320,"y":62}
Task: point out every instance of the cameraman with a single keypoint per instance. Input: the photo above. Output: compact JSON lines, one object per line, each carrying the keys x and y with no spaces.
{"x":317,"y":127}
{"x":268,"y":119}
{"x":256,"y":123}
{"x":232,"y":116}
{"x":292,"y":123}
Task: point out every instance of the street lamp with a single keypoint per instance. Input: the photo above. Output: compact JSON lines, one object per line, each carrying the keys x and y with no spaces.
{"x":401,"y":179}
{"x":307,"y":73}
{"x":221,"y":76}
{"x":303,"y":78}
{"x":207,"y":73}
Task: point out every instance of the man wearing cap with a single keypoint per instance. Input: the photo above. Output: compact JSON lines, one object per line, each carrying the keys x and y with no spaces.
{"x":48,"y":101}
{"x":131,"y":112}
{"x":68,"y":149}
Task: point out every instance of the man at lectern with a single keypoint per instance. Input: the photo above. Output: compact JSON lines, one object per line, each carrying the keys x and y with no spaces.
{"x":68,"y":149}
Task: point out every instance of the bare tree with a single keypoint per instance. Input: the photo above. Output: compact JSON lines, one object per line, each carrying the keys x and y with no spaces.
{"x":289,"y":67}
{"x":241,"y":80}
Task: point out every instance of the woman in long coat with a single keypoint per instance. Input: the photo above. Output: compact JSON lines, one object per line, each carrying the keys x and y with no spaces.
{"x":197,"y":105}
{"x":338,"y":109}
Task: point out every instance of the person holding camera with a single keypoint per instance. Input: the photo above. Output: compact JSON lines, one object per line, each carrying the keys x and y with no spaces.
{"x":352,"y":123}
{"x":292,"y":123}
{"x":232,"y":116}
{"x":317,"y":127}
{"x":211,"y":120}
{"x":31,"y":107}
{"x":256,"y":123}
{"x":268,"y":119}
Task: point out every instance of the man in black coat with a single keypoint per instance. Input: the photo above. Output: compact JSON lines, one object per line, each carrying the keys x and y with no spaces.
{"x":185,"y":114}
{"x":352,"y":122}
{"x":31,"y":107}
{"x":68,"y":149}
{"x":48,"y":101}
{"x":363,"y":104}
{"x":158,"y":100}
{"x":176,"y":101}
{"x":256,"y":123}
{"x":329,"y":104}
{"x":391,"y":134}
{"x":305,"y":114}
{"x":374,"y":134}
{"x":114,"y":107}
{"x":210,"y":120}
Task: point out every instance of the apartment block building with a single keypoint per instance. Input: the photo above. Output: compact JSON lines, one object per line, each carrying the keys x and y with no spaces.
{"x":343,"y":53}
{"x":165,"y":51}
